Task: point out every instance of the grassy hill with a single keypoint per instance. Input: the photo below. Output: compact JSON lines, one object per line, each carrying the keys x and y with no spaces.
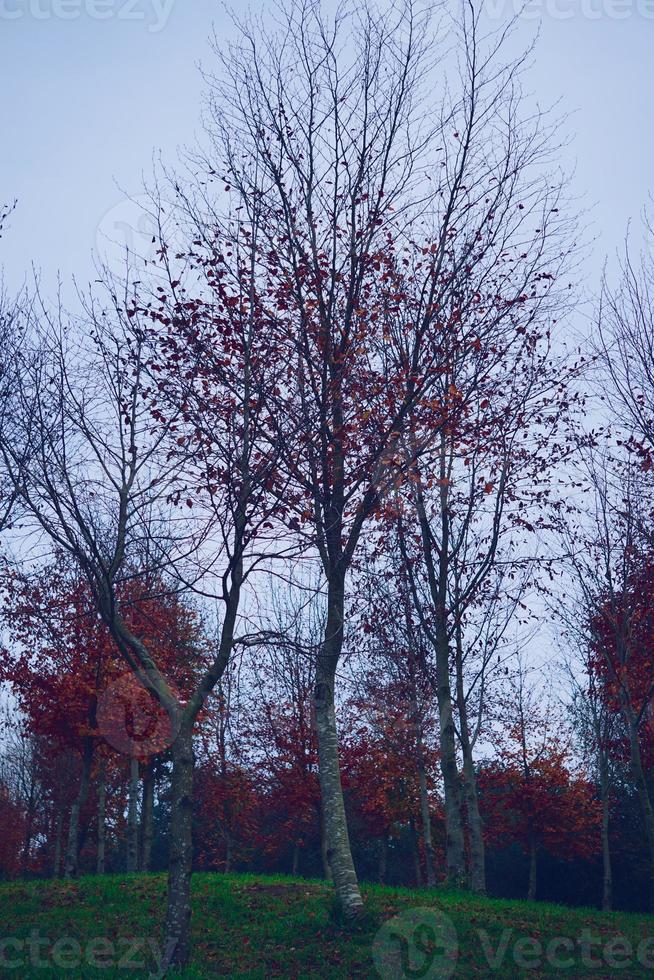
{"x":254,"y":926}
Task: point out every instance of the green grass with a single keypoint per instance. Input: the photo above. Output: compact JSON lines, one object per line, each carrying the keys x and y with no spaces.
{"x":260,"y":927}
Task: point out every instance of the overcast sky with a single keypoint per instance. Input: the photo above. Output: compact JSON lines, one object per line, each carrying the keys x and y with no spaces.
{"x":94,"y":87}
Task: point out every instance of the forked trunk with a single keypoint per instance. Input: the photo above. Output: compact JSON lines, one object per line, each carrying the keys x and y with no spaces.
{"x":71,"y":866}
{"x":178,"y":911}
{"x":437,"y":578}
{"x":426,"y":822}
{"x":454,"y":841}
{"x":425,"y":816}
{"x":475,"y":825}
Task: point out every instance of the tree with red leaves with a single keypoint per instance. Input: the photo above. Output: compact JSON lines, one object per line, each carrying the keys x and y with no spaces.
{"x":69,"y":681}
{"x":278,"y":729}
{"x":12,"y":817}
{"x":227,"y":811}
{"x":293,"y":354}
{"x":60,"y":658}
{"x":228,"y":790}
{"x":530,"y":794}
{"x":395,"y":672}
{"x":282,"y":750}
{"x":621,"y":632}
{"x":390,"y":769}
{"x":384,"y":239}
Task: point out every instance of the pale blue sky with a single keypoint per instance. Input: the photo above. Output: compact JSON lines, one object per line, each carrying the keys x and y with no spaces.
{"x":87,"y":101}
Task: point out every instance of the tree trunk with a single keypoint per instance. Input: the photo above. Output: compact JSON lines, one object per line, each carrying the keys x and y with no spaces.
{"x":326,"y":870}
{"x":640,"y":781}
{"x":178,"y":911}
{"x":605,"y":795}
{"x":102,"y":821}
{"x":415,"y":853}
{"x":607,"y":875}
{"x":295,"y":863}
{"x":454,"y":841}
{"x":56,"y":869}
{"x":29,"y":827}
{"x":475,"y":824}
{"x":383,"y":858}
{"x":426,"y":826}
{"x":132,"y":817}
{"x":147,"y":808}
{"x":475,"y":827}
{"x":438,"y":579}
{"x":71,"y":866}
{"x":533,"y":871}
{"x":425,"y":815}
{"x":339,"y":852}
{"x":27,"y":844}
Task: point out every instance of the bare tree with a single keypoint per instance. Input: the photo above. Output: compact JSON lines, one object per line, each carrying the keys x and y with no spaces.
{"x":9,"y":342}
{"x":597,"y":728}
{"x":478,"y":496}
{"x":112,"y":483}
{"x":394,"y":228}
{"x":625,"y":345}
{"x":622,"y":519}
{"x":609,"y":558}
